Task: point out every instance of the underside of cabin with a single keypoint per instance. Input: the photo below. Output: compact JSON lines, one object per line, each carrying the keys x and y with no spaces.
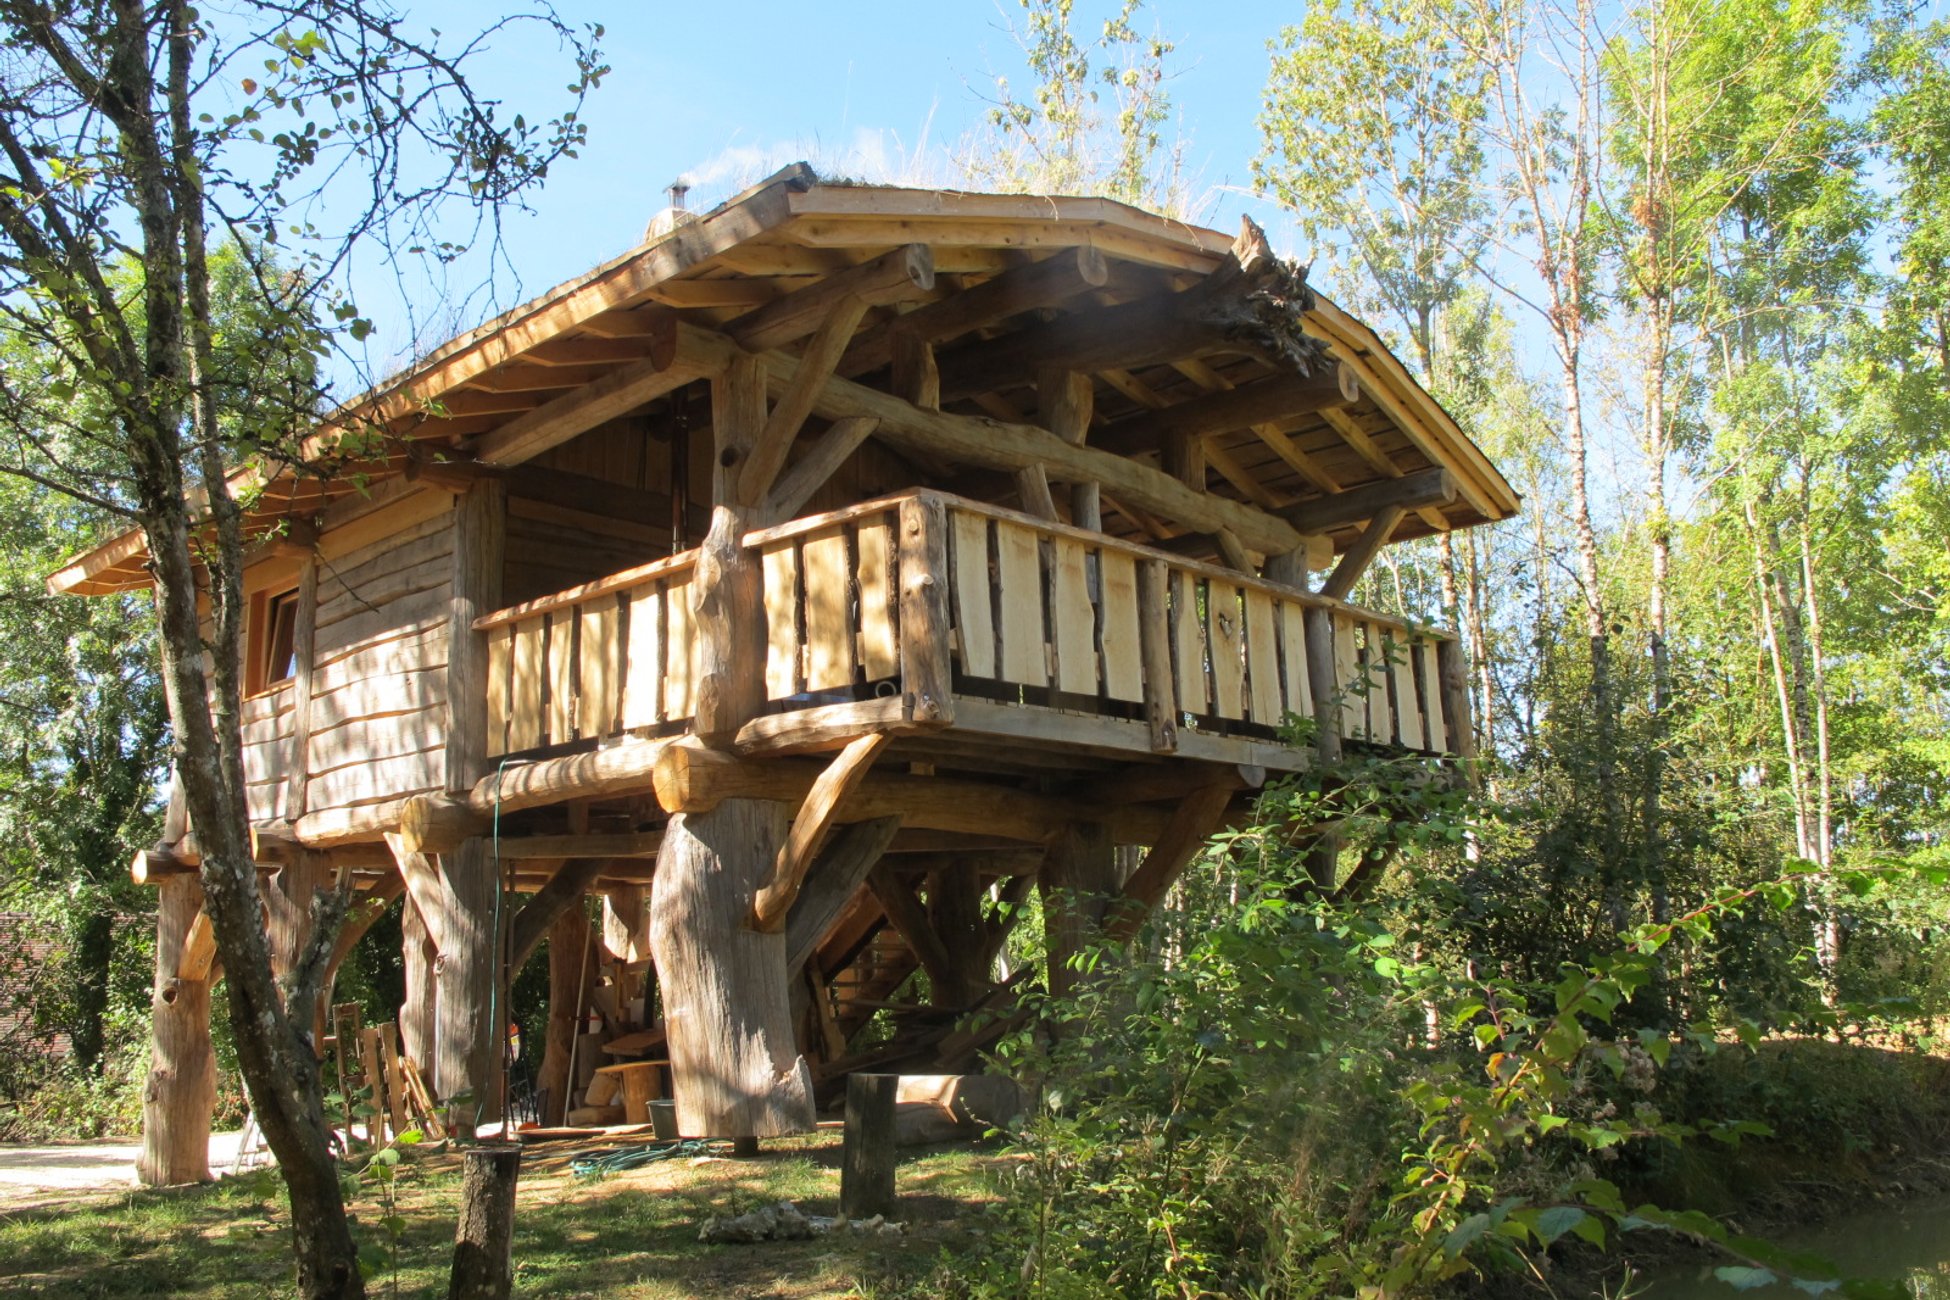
{"x":811,"y":584}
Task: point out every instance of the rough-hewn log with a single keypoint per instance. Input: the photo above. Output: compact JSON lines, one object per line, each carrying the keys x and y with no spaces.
{"x":432,"y":823}
{"x":927,"y":675}
{"x":362,"y":916}
{"x":727,"y":586}
{"x":464,"y":1054}
{"x":1252,"y":304}
{"x":1360,"y":554}
{"x":153,"y":866}
{"x":1192,"y":823}
{"x":809,"y":830}
{"x":955,"y":911}
{"x":418,"y":1007}
{"x":1276,"y":398}
{"x":1425,"y":487}
{"x":796,"y":486}
{"x":726,"y":1007}
{"x":480,"y":525}
{"x":910,"y":919}
{"x":484,"y":1239}
{"x":562,"y":893}
{"x":841,"y":870}
{"x":182,"y":1084}
{"x":902,"y":275}
{"x":667,"y":368}
{"x":1065,"y":404}
{"x":571,"y":974}
{"x":768,"y":453}
{"x":1079,"y":879}
{"x":692,"y":779}
{"x":1053,"y":280}
{"x":867,"y":1156}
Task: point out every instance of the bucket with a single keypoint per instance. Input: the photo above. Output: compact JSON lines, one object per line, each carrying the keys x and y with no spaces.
{"x":663,"y":1120}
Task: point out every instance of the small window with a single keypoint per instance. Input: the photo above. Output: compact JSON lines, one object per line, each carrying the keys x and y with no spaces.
{"x":276,"y":641}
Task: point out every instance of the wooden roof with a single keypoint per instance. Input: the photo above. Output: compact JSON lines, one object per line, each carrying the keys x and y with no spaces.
{"x":587,"y":347}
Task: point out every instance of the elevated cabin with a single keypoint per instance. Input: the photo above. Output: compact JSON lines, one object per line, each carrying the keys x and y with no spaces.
{"x":811,"y":582}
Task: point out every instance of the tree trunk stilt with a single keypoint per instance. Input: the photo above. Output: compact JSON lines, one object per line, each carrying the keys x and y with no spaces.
{"x":1079,"y":881}
{"x":182,"y":1085}
{"x":571,"y":975}
{"x":736,"y":1072}
{"x":468,"y":987}
{"x":417,"y":1010}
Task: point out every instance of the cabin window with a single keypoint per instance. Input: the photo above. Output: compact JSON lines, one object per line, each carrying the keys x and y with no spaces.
{"x":277,"y":640}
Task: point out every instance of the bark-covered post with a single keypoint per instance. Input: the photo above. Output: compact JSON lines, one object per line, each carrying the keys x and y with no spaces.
{"x":182,"y":1084}
{"x":484,"y":1238}
{"x":735,"y":1068}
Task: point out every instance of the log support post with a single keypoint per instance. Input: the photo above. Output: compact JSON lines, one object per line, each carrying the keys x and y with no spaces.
{"x":735,"y":1067}
{"x":416,"y":1011}
{"x":571,"y":977}
{"x":470,"y":981}
{"x":182,"y":1084}
{"x":1078,"y":882}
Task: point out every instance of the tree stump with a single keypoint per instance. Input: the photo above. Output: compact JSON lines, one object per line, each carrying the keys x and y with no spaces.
{"x":867,"y":1160}
{"x":735,"y":1070}
{"x":484,"y":1239}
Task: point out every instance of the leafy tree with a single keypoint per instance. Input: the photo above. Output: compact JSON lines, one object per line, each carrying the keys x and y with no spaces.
{"x":1095,"y":119}
{"x":134,"y":135}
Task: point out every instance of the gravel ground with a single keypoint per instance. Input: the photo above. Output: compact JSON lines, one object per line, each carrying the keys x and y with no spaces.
{"x":34,"y":1176}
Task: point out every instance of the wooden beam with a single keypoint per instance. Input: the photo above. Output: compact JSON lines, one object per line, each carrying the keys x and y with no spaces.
{"x":1192,"y":822}
{"x":617,"y":393}
{"x":1427,"y":487}
{"x":1358,"y":556}
{"x":994,"y":444}
{"x":838,"y":874}
{"x":1252,"y":304}
{"x":564,"y":890}
{"x":910,"y":920}
{"x":902,"y":275}
{"x":480,"y":530}
{"x":809,"y":830}
{"x":199,"y":950}
{"x":1047,"y":283}
{"x":1032,"y":487}
{"x":1065,"y":403}
{"x":1277,"y":398}
{"x":789,"y":414}
{"x":626,"y":844}
{"x":797,"y":485}
{"x":366,"y":911}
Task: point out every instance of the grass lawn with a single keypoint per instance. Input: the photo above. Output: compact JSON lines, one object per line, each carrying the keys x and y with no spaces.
{"x":631,"y":1234}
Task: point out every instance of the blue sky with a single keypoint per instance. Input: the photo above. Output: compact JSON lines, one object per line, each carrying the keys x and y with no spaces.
{"x":726,"y":93}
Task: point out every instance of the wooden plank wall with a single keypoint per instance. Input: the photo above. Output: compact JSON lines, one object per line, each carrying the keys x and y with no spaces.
{"x":267,"y":733}
{"x":378,"y":707}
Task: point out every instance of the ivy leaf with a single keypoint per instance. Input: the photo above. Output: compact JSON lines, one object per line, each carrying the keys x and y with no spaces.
{"x":1556,"y":1221}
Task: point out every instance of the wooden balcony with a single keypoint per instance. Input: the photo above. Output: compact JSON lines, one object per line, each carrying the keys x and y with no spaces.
{"x":1055,"y":637}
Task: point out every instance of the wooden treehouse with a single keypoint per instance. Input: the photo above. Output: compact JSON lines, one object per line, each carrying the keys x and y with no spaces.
{"x":810,"y":583}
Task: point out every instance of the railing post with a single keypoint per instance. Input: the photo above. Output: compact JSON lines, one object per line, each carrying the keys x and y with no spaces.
{"x":1323,"y":681}
{"x":927,"y":671}
{"x":1154,"y":643}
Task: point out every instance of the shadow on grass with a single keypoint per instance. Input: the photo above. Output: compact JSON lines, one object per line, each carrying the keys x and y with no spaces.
{"x":632,"y":1234}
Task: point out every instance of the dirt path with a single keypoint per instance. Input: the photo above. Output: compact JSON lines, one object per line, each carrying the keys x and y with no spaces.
{"x":32,"y":1177}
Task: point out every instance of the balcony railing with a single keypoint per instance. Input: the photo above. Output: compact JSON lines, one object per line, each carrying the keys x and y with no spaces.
{"x":1043,"y":617}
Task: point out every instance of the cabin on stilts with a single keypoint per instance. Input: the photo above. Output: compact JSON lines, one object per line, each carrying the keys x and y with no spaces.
{"x":810,"y":584}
